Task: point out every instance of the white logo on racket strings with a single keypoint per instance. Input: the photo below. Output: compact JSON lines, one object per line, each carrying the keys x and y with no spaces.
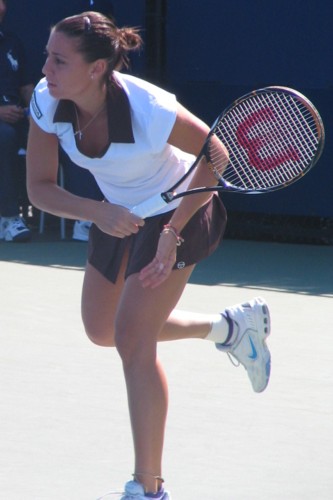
{"x":180,"y":265}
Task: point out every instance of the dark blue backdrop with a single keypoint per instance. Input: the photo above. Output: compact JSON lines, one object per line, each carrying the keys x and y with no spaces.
{"x":32,"y":20}
{"x":216,"y":51}
{"x":224,"y":49}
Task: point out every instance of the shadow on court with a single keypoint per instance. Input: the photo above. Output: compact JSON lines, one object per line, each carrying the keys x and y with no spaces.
{"x":46,"y":251}
{"x":287,"y":267}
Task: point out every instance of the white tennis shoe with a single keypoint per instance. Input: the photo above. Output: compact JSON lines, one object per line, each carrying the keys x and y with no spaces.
{"x":81,"y":230}
{"x":14,"y":229}
{"x":249,"y":348}
{"x":135,"y":491}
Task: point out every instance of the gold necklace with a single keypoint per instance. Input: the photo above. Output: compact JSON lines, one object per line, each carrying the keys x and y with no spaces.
{"x":80,"y":131}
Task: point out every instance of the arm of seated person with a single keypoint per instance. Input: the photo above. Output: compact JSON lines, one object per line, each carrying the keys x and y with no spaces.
{"x":26,"y":93}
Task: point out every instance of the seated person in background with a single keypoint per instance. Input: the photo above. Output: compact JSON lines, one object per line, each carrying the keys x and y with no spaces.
{"x":79,"y":181}
{"x":15,"y":92}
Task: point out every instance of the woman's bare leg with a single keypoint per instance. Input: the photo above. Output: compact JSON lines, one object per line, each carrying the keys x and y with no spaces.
{"x":133,"y":318}
{"x":100,"y":300}
{"x":141,"y":316}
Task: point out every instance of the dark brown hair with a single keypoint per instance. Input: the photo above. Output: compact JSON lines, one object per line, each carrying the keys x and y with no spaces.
{"x":98,"y":37}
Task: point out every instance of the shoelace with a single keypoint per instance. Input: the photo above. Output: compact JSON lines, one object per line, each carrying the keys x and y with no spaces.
{"x":234,"y":361}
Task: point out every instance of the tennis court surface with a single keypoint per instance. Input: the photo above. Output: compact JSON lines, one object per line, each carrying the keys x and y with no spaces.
{"x":65,"y":432}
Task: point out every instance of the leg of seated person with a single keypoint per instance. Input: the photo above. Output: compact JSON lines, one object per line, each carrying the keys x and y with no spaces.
{"x":12,"y":226}
{"x":80,"y":182}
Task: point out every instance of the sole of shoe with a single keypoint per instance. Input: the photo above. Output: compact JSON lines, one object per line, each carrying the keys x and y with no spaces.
{"x":19,"y":238}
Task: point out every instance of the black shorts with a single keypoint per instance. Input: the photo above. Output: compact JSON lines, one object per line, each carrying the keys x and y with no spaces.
{"x":201,"y":234}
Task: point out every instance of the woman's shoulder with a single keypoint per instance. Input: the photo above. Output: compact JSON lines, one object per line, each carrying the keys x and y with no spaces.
{"x":153,"y":108}
{"x":42,"y":101}
{"x":42,"y":93}
{"x":139,"y":89}
{"x":149,"y":103}
{"x":42,"y":105}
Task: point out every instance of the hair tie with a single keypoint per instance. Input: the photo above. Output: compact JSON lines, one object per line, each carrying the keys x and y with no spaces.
{"x":87,"y":24}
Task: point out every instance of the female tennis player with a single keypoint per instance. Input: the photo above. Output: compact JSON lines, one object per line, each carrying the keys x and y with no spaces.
{"x":136,"y":140}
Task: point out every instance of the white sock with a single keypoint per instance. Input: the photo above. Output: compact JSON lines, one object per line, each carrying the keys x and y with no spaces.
{"x":223,"y":330}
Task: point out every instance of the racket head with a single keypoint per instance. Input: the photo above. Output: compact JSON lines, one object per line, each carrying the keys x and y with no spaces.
{"x":273,"y":135}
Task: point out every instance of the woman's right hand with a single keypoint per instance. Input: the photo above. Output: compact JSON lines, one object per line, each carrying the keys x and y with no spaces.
{"x":117,"y":220}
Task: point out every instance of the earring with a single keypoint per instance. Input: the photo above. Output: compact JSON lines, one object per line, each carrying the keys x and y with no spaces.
{"x":92,"y":76}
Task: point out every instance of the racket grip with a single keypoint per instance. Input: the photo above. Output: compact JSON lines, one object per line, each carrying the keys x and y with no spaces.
{"x":149,"y":207}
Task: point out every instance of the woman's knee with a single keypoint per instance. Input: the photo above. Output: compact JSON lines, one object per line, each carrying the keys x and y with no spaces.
{"x":98,"y":334}
{"x":98,"y":306}
{"x":134,"y":345}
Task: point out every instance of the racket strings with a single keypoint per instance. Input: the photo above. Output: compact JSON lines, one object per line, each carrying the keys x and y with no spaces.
{"x":275,"y":133}
{"x":299,"y":125}
{"x":269,"y":149}
{"x":217,"y":156}
{"x":272,"y":138}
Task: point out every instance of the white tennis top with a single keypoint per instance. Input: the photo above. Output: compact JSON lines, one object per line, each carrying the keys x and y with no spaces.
{"x":138,"y":163}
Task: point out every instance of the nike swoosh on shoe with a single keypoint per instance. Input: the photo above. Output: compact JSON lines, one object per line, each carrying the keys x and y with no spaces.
{"x":254,"y":353}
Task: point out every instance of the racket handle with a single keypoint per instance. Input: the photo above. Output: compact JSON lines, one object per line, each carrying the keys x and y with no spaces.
{"x":149,"y":207}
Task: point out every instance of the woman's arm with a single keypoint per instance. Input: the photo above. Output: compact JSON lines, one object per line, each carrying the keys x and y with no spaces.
{"x":45,"y":193}
{"x":189,"y":134}
{"x":42,"y":173}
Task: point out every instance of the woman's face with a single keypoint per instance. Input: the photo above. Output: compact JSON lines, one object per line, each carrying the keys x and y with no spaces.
{"x":68,"y":75}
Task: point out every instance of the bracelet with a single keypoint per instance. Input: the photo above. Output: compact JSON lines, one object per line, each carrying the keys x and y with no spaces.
{"x":158,"y":478}
{"x":168,"y":228}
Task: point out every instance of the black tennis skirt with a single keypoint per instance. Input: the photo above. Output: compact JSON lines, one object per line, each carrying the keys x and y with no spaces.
{"x":202,"y":234}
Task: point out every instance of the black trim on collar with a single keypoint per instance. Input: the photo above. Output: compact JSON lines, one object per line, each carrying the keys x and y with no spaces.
{"x":65,"y":112}
{"x":119,"y":114}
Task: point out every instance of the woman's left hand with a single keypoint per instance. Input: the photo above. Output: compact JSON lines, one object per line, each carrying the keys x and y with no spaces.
{"x":161,"y":266}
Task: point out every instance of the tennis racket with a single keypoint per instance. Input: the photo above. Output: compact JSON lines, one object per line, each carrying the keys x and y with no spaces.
{"x":273,"y":136}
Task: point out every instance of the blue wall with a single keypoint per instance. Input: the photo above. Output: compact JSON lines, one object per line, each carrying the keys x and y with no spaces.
{"x":32,"y":20}
{"x":218,"y":50}
{"x":224,"y":49}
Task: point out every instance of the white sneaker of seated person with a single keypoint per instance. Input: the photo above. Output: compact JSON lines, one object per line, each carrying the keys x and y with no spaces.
{"x":14,"y":229}
{"x":81,"y":230}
